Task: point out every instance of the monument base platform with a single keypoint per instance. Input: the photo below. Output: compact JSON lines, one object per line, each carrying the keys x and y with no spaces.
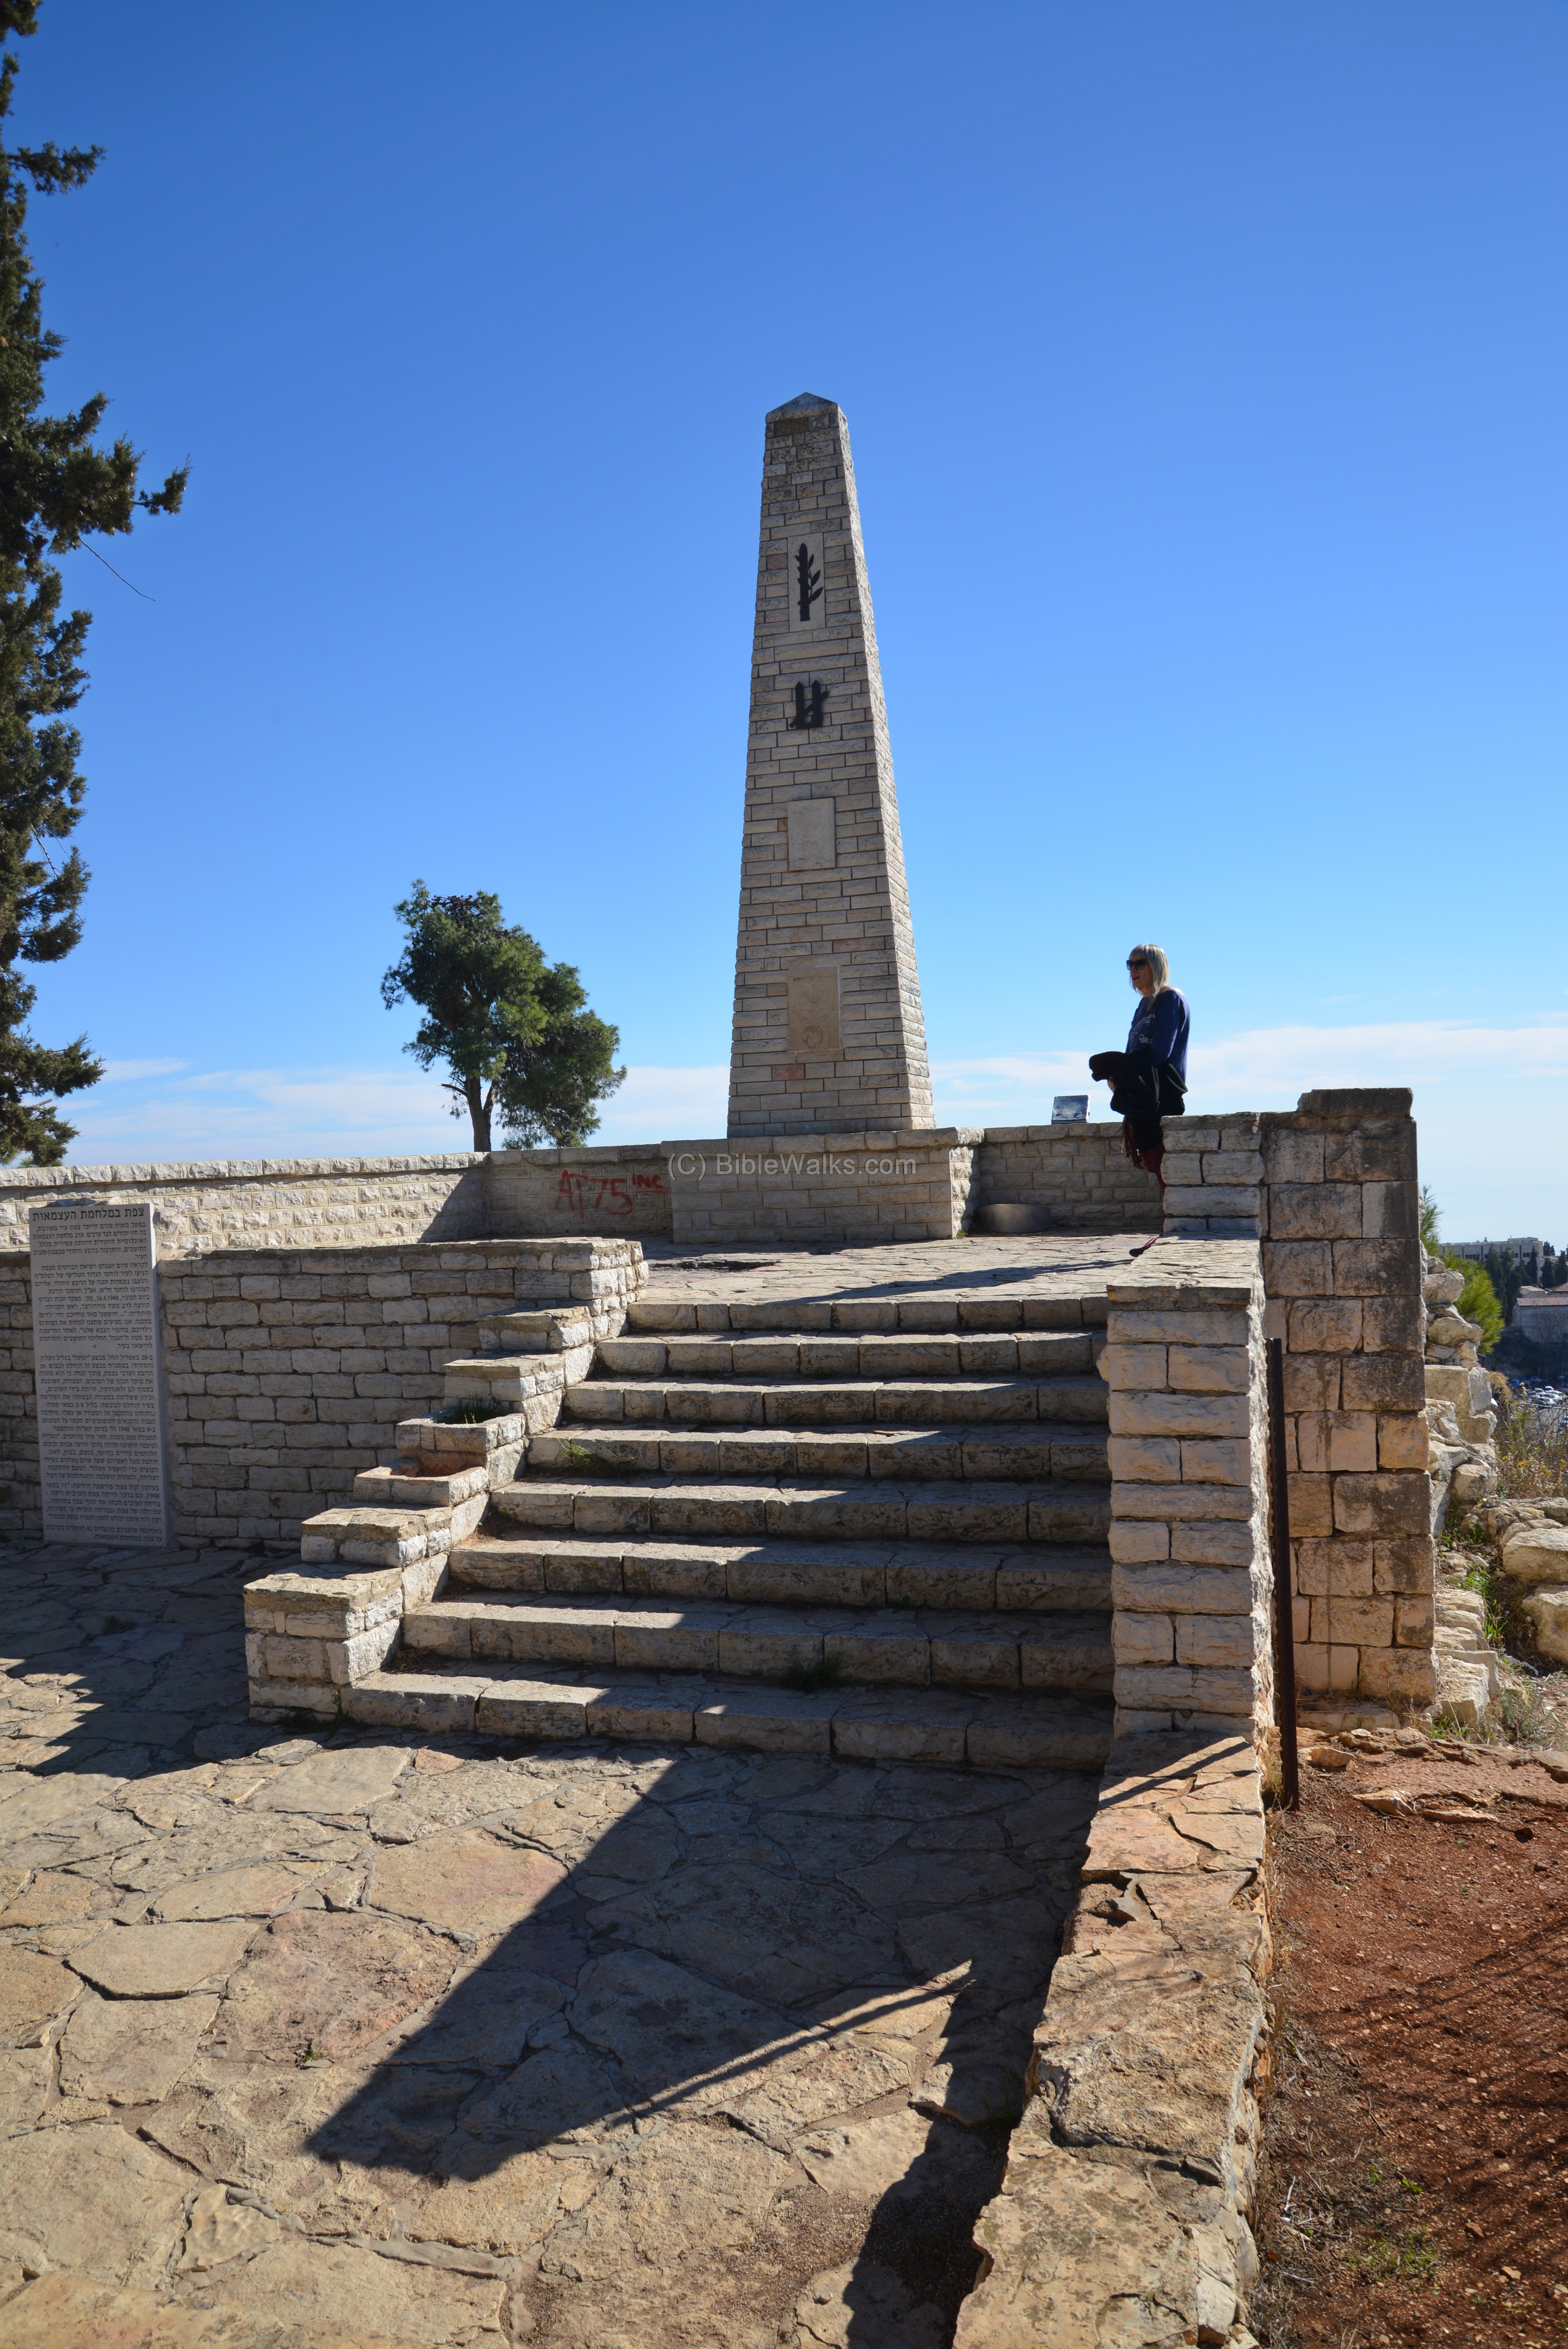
{"x":836,"y":1188}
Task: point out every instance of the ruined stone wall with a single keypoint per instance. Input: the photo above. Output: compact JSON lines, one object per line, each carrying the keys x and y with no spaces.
{"x":287,"y":1372}
{"x":1331,"y":1190}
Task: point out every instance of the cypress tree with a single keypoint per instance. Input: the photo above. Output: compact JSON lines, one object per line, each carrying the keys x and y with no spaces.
{"x":55,"y":487}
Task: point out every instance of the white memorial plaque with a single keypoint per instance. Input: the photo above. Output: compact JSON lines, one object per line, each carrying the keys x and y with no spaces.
{"x":812,"y":846}
{"x":96,"y":1350}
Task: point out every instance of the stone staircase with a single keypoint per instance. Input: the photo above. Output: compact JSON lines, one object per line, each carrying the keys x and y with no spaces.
{"x":872,"y":1527}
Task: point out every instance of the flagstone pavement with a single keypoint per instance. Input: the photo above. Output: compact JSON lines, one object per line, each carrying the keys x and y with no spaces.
{"x":361,"y":2040}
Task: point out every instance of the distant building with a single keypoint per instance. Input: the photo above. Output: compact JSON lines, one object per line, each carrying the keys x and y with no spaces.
{"x":1542,"y":1314}
{"x":1517,"y":1251}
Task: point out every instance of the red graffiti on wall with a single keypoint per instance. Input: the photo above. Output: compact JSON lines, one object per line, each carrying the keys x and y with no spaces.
{"x":581,"y":1192}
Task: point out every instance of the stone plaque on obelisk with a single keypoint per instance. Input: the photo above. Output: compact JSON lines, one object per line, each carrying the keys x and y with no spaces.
{"x":96,"y":1350}
{"x":829,"y":1037}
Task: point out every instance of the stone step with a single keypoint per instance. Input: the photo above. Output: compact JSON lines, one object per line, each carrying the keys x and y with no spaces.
{"x":777,"y":1403}
{"x":906,"y":1647}
{"x":882,"y":1315}
{"x":513,"y":1378}
{"x":941,"y":1455}
{"x":791,"y":1354}
{"x":545,"y":1703}
{"x":863,"y":1510}
{"x":549,"y":1329}
{"x":1048,"y":1579}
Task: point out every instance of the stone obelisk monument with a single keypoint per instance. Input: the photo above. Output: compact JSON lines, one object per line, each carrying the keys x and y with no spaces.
{"x":829,"y":1037}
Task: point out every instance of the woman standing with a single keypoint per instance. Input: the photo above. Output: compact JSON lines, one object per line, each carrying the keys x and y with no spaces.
{"x":1148,"y":1080}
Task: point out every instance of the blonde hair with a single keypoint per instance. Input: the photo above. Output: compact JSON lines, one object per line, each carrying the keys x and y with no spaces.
{"x":1158,"y":964}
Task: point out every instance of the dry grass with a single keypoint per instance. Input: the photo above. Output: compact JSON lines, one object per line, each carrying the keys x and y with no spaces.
{"x":1532,"y":1456}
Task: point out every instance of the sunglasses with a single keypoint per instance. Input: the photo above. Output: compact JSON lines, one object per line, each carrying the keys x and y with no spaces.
{"x":1139,"y":962}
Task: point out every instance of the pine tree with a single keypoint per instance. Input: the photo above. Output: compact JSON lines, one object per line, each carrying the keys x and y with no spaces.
{"x":512,"y":1029}
{"x":55,"y":487}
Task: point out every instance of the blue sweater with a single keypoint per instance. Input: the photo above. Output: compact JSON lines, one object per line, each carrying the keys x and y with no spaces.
{"x":1160,"y":1025}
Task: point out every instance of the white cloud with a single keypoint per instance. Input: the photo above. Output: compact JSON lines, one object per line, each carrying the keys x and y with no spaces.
{"x":1291,"y":1060}
{"x":120,"y":1073}
{"x":666,"y":1105}
{"x":266,"y":1113}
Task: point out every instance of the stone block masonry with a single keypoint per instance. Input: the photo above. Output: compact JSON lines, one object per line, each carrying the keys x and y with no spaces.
{"x":622,"y":1189}
{"x":1079,"y":1174}
{"x":1191,"y":1577}
{"x":829,"y":1035}
{"x":270,"y":1202}
{"x":287,"y":1372}
{"x":847,"y":1189}
{"x":291,"y":1203}
{"x":1332,"y":1192}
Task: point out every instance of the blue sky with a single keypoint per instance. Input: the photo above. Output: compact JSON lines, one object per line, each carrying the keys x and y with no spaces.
{"x":1205,"y":371}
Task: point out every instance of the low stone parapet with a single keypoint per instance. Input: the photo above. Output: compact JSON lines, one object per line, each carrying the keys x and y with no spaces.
{"x":1214,"y":1177}
{"x":1078,"y":1176}
{"x":1125,"y":2210}
{"x":1189,"y":1538}
{"x":854,"y":1189}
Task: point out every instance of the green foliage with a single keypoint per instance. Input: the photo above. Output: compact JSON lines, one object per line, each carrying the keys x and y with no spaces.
{"x":57,"y":488}
{"x":513,"y":1030}
{"x":1430,"y":1219}
{"x":584,"y":1461}
{"x":1484,"y":1578}
{"x":1477,"y":1300}
{"x":1415,"y":2259}
{"x":471,"y":1410}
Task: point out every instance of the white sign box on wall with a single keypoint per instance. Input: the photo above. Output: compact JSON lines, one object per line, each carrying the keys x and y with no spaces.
{"x":97,"y":1347}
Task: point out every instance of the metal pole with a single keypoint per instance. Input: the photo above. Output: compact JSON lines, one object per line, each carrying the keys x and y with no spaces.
{"x":1285,"y":1623}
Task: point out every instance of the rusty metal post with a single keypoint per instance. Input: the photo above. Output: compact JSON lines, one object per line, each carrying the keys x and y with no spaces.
{"x":1283,"y":1618}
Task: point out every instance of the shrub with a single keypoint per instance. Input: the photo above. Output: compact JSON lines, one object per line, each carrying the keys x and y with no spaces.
{"x":1477,"y":1300}
{"x":472,"y":1410}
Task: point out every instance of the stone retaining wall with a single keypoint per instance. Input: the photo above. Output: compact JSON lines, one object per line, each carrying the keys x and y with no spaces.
{"x":287,"y":1372}
{"x":1126,"y":2206}
{"x":1190,"y":1572}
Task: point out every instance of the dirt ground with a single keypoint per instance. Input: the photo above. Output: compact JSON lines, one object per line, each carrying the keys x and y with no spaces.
{"x":1416,"y":2128}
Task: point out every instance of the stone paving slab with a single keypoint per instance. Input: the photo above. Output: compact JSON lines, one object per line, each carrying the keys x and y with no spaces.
{"x":1043,"y":1266}
{"x":394,"y":2037}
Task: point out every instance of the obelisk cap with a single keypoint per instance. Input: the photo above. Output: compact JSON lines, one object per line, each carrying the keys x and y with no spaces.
{"x":800,"y":405}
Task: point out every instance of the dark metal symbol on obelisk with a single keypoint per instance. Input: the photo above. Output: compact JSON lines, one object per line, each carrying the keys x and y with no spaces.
{"x":808,"y":715}
{"x":808,"y":580}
